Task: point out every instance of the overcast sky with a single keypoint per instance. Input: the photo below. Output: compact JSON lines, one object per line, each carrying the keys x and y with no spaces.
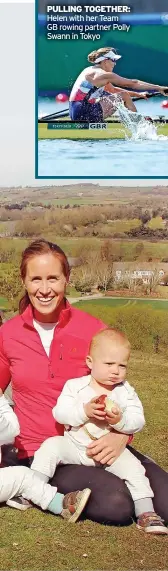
{"x":17,"y":101}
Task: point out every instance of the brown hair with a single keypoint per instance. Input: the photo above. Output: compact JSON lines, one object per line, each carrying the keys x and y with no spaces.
{"x":37,"y":248}
{"x":110,"y":334}
{"x":97,"y":53}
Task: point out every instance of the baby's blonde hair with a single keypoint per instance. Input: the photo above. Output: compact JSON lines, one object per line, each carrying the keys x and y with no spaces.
{"x":109,"y":334}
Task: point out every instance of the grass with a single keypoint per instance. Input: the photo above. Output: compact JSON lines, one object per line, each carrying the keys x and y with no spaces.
{"x":124,"y":225}
{"x":156,"y":250}
{"x":72,"y":292}
{"x":41,"y":542}
{"x":3,"y":303}
{"x":117,"y":302}
{"x":156,"y":223}
{"x":80,"y":200}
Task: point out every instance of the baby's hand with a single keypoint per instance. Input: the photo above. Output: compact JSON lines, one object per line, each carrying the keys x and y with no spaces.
{"x":114,"y":416}
{"x":95,"y":409}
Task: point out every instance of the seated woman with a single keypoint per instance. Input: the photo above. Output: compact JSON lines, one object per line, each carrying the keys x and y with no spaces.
{"x":40,"y":349}
{"x":88,"y":99}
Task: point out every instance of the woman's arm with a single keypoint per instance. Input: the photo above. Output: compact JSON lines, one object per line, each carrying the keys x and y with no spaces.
{"x":108,"y":448}
{"x":5,"y":375}
{"x":111,"y":89}
{"x":99,"y":78}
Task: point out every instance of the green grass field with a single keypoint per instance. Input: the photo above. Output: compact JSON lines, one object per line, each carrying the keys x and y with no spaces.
{"x":3,"y":303}
{"x":156,"y":223}
{"x":35,"y":541}
{"x":156,"y":250}
{"x":124,"y":225}
{"x":71,"y":246}
{"x":107,"y":302}
{"x":122,"y":302}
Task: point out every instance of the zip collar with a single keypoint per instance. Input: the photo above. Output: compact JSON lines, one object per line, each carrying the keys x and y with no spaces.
{"x":64,"y":314}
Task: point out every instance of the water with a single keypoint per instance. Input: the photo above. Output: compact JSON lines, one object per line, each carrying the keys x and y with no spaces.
{"x":145,"y":154}
{"x":140,"y":128}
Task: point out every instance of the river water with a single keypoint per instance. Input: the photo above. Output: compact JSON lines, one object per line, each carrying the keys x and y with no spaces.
{"x":104,"y":158}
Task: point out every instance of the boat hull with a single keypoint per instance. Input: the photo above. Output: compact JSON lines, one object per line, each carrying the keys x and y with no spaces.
{"x":76,"y":131}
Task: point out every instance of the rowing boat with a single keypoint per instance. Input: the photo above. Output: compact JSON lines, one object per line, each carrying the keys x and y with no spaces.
{"x":60,"y":129}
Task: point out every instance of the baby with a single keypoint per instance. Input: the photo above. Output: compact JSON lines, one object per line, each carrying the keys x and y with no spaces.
{"x":90,"y":407}
{"x":19,"y":480}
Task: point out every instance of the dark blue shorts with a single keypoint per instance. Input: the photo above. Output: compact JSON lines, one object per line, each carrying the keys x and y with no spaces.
{"x":84,"y":111}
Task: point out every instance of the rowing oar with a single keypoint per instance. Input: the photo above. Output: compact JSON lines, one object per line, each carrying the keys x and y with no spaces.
{"x":149,"y":95}
{"x":65,"y":112}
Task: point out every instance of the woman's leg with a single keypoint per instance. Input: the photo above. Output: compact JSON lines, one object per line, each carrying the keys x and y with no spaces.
{"x":116,"y":506}
{"x":129,"y":468}
{"x":109,"y":103}
{"x":87,"y":112}
{"x":158,"y":479}
{"x":108,"y":106}
{"x":110,"y":500}
{"x":129,"y":104}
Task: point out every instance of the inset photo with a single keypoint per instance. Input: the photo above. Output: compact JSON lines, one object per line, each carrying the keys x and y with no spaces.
{"x":101,"y":91}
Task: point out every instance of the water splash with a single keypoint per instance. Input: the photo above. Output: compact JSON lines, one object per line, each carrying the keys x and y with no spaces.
{"x":147,"y":131}
{"x":139,"y":127}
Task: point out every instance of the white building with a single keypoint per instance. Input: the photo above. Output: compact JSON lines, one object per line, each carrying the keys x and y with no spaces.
{"x":142,"y":270}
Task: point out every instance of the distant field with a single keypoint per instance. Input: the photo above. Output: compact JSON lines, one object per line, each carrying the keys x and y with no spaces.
{"x":84,"y":200}
{"x":3,"y":303}
{"x":156,"y":250}
{"x":121,"y":225}
{"x":156,"y":223}
{"x":112,"y":302}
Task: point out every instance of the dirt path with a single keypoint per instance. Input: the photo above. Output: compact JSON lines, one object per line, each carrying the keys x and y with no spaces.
{"x":101,"y":296}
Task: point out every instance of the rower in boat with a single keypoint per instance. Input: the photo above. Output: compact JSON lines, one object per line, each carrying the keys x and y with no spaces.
{"x":93,"y":96}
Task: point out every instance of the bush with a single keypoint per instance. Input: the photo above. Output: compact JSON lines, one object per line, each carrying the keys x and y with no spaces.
{"x":146,"y":328}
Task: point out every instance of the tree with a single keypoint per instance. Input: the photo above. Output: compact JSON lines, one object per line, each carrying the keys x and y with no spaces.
{"x":139,"y":249}
{"x":153,"y":280}
{"x":105,"y":278}
{"x":165,"y":280}
{"x":145,"y":217}
{"x":106,"y":253}
{"x":10,"y":285}
{"x":165,"y":215}
{"x":84,"y":280}
{"x":156,"y":212}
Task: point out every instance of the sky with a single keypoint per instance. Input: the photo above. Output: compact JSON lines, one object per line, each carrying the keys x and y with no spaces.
{"x":17,"y":101}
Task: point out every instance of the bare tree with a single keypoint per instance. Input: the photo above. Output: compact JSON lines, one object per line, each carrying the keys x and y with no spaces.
{"x":105,"y":275}
{"x":153,"y":280}
{"x":84,"y":279}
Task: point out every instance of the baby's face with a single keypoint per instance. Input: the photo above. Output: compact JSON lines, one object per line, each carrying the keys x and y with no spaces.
{"x":109,"y":362}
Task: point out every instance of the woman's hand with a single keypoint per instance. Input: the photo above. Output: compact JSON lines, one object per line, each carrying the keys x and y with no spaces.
{"x":93,"y":409}
{"x":163,"y":90}
{"x":107,"y":448}
{"x":139,"y":95}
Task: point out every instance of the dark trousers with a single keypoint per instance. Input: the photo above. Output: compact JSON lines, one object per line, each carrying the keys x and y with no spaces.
{"x":110,"y":501}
